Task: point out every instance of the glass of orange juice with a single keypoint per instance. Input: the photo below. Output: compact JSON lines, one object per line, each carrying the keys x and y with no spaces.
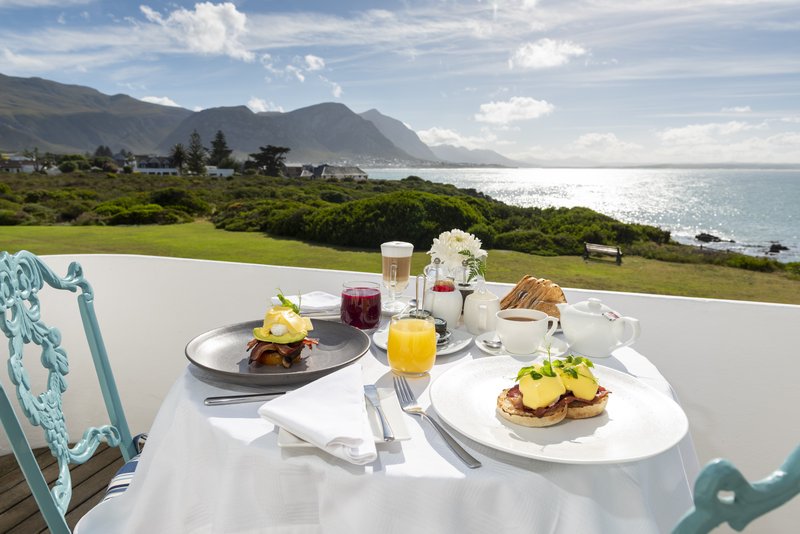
{"x":412,"y":344}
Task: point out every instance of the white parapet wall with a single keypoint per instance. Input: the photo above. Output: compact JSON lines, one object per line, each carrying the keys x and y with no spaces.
{"x":732,"y":364}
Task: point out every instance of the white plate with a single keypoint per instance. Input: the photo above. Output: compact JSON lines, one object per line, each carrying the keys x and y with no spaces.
{"x":391,"y":407}
{"x":458,"y":340}
{"x":557,"y":347}
{"x":639,"y":421}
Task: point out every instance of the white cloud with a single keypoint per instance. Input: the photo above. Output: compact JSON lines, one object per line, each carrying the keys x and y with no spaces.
{"x":9,"y":61}
{"x":297,"y":72}
{"x":517,"y":108}
{"x":160,"y":100}
{"x":336,"y":89}
{"x":258,"y":105}
{"x":62,"y":19}
{"x":778,"y":148}
{"x":604,"y":147}
{"x":694,"y":134}
{"x":737,"y":109}
{"x":212,"y":29}
{"x":314,"y":63}
{"x":444,"y":136}
{"x":544,"y":54}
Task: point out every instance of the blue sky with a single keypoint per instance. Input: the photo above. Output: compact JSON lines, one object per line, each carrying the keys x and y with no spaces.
{"x":605,"y":80}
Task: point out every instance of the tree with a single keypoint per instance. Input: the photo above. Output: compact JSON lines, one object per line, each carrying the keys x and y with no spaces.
{"x":103,"y":151}
{"x":270,"y":159}
{"x":196,"y":155}
{"x":33,"y":155}
{"x":220,"y":154}
{"x":178,"y":157}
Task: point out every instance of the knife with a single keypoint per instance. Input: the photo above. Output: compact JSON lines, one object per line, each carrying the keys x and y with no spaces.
{"x":371,"y":393}
{"x":236,"y":399}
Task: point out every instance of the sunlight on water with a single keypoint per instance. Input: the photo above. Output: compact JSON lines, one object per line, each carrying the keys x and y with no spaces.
{"x":751,"y":207}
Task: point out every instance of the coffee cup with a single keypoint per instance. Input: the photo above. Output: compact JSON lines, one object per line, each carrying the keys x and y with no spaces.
{"x":522,"y":331}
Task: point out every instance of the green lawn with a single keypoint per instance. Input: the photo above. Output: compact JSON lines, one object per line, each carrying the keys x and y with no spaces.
{"x":202,"y":240}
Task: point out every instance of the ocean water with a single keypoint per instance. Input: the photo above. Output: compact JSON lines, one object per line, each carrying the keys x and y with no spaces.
{"x":749,"y":209}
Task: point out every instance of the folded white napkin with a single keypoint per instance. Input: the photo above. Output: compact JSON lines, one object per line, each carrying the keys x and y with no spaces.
{"x":316,"y":301}
{"x":329,"y":413}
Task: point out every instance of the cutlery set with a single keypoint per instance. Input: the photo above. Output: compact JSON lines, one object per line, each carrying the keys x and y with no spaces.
{"x":408,"y":403}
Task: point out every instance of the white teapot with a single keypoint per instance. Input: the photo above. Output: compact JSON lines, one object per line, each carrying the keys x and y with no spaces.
{"x":594,"y":329}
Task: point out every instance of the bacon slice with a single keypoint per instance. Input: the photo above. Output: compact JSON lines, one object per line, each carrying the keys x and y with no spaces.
{"x":285,"y":354}
{"x":515,"y":396}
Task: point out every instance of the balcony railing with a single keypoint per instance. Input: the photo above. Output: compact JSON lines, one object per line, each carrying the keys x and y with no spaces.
{"x":732,"y":364}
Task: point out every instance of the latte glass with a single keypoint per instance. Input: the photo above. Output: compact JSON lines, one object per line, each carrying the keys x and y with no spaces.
{"x":396,"y":270}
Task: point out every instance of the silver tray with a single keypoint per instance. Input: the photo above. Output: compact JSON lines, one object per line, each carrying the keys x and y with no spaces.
{"x":222,"y":352}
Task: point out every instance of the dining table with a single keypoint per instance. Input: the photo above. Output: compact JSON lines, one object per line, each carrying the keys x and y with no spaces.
{"x":225,"y":469}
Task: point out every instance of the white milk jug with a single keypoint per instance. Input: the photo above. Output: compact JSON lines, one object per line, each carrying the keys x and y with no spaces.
{"x":480,"y":310}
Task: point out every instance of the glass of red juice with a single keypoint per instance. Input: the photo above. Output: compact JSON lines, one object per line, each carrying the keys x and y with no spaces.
{"x":361,"y":304}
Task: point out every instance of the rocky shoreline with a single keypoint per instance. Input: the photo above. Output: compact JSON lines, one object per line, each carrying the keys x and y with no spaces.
{"x":773,"y":249}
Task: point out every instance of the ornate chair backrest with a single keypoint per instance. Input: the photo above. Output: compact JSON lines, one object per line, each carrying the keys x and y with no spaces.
{"x":722,"y":494}
{"x":22,"y":275}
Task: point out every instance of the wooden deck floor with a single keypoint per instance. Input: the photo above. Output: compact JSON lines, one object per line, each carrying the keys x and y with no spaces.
{"x":18,"y":510}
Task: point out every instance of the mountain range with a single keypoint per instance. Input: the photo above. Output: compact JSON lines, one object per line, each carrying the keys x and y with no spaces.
{"x":60,"y":118}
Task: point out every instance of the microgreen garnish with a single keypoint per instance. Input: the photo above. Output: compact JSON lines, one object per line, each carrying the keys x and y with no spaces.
{"x":566,"y":366}
{"x":531,"y":370}
{"x":288,"y":303}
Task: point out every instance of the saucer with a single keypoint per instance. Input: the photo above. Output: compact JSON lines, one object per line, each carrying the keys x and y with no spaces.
{"x":458,"y":340}
{"x":558,"y":347}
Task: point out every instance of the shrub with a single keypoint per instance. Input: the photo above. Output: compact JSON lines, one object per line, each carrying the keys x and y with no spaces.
{"x":485,"y":233}
{"x":12,"y":217}
{"x":530,"y":241}
{"x":411,"y":216}
{"x":72,"y":209}
{"x":150,"y":214}
{"x":68,"y":166}
{"x":180,"y":199}
{"x":334,"y":196}
{"x":39,"y":214}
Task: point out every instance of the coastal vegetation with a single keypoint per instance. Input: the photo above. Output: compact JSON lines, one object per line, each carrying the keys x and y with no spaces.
{"x":348,"y":213}
{"x":202,"y":240}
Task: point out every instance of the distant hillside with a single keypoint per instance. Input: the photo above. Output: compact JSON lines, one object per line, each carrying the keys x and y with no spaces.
{"x":327,"y":132}
{"x":457,"y":154}
{"x":56,"y":117}
{"x":397,"y":132}
{"x":70,"y":118}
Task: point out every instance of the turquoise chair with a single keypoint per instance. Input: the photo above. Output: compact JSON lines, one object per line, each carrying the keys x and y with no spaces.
{"x":22,"y":276}
{"x":740,"y":501}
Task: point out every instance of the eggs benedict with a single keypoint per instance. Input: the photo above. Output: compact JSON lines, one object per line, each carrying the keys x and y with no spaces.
{"x":281,"y":339}
{"x":548,"y":393}
{"x":590,"y":398}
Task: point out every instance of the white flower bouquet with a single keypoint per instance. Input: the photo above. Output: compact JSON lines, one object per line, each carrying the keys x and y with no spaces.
{"x":457,"y":249}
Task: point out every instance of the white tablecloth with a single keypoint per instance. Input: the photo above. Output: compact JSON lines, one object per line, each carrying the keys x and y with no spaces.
{"x":220,"y":470}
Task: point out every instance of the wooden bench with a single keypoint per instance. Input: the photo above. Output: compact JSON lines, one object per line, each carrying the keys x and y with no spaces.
{"x":606,"y":250}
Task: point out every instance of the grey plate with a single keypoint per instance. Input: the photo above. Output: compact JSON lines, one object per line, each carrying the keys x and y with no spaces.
{"x":222,"y":352}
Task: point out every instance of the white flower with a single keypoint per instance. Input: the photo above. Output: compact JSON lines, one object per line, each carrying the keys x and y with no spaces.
{"x":453,"y":247}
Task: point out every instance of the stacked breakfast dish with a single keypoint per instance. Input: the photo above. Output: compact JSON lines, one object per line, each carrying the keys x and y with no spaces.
{"x":548,"y":393}
{"x":280,"y":341}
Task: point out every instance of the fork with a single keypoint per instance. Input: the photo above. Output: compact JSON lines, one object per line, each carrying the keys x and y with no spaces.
{"x":409,"y":404}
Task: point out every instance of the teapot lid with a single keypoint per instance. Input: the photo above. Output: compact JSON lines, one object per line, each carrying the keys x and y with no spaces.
{"x":593,"y":306}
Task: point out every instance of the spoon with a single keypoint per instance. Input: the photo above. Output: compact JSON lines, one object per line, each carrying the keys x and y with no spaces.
{"x":492,"y":343}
